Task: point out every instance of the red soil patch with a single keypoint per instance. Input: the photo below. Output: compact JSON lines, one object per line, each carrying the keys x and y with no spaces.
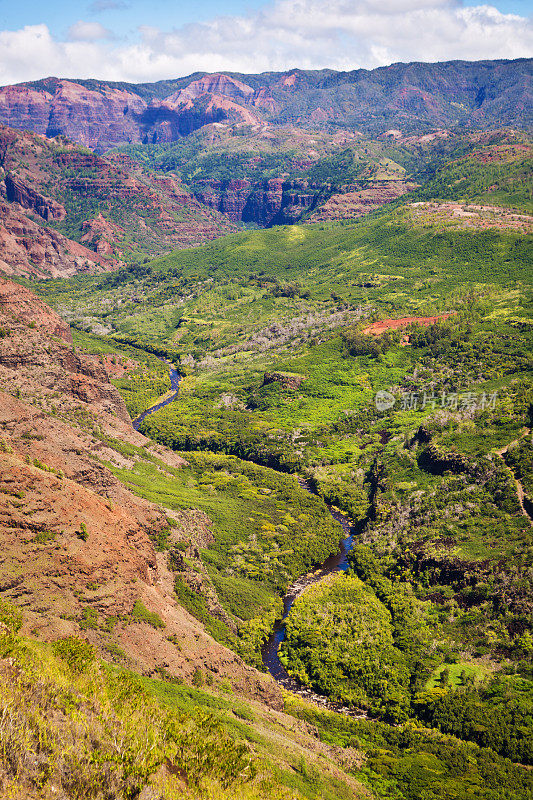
{"x":383,"y":325}
{"x":118,"y":368}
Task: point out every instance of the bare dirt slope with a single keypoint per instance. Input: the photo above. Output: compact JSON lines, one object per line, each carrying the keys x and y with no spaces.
{"x":77,"y":547}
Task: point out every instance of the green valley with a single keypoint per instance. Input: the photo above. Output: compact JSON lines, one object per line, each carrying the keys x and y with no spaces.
{"x":374,"y":370}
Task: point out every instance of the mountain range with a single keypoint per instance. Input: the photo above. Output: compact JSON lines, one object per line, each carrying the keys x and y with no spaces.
{"x":195,"y":392}
{"x":102,"y":114}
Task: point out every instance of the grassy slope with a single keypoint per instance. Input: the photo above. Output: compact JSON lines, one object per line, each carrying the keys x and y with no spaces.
{"x":97,"y":728}
{"x":101,"y":730}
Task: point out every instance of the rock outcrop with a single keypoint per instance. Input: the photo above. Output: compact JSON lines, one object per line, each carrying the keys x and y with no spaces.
{"x":288,"y":380}
{"x":274,"y":201}
{"x":57,"y":181}
{"x":22,"y":305}
{"x":28,"y":249}
{"x":104,"y":117}
{"x":19,"y":192}
{"x":37,"y":345}
{"x":355,"y":200}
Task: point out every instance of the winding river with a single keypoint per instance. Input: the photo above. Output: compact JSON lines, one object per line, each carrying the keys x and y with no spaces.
{"x":335,"y":563}
{"x":175,"y":379}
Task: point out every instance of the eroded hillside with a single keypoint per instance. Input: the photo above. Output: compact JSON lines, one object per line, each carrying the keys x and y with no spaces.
{"x":66,"y":210}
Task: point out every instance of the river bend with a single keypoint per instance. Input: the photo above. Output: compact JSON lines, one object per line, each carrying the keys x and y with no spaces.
{"x":335,"y":563}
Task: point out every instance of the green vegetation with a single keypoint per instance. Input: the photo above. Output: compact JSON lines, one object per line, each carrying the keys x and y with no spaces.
{"x":83,"y":533}
{"x":76,"y":653}
{"x":237,"y":153}
{"x":433,"y":625}
{"x":495,"y":715}
{"x":340,"y":641}
{"x":520,"y":459}
{"x":196,"y":605}
{"x":102,"y":730}
{"x":409,"y":762}
{"x":141,"y":614}
{"x":267,"y":531}
{"x":145,"y":376}
{"x":55,"y":710}
{"x":494,"y":175}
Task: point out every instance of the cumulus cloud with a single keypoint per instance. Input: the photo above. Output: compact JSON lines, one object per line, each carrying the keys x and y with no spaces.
{"x":83,"y":31}
{"x":342,"y":34}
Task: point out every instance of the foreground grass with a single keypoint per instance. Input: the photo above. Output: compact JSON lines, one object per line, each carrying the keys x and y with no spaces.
{"x":73,"y":726}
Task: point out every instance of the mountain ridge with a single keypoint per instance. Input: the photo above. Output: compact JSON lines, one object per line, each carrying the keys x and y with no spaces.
{"x":483,"y":94}
{"x":97,"y":213}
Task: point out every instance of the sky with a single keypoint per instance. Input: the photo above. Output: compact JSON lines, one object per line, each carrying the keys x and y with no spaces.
{"x":150,"y":40}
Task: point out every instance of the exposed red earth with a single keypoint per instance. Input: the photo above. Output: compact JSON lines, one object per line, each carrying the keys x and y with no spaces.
{"x":356,"y":200}
{"x":377,"y":328}
{"x":106,"y":206}
{"x":75,"y":542}
{"x":471,"y":216}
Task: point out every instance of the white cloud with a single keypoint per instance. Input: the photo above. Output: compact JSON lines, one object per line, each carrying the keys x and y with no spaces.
{"x":83,"y":31}
{"x":342,"y":34}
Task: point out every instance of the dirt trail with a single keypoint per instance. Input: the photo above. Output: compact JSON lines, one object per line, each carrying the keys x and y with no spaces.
{"x":519,"y":487}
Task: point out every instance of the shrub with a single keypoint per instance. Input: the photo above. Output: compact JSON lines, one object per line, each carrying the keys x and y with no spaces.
{"x":89,"y":619}
{"x":141,"y":614}
{"x":198,"y":677}
{"x":10,"y":616}
{"x":75,"y":652}
{"x":44,"y":537}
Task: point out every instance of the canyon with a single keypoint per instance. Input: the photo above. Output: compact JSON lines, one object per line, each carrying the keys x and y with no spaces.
{"x":64,"y":209}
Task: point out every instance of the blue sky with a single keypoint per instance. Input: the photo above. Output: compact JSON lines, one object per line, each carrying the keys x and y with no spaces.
{"x":122,"y":17}
{"x":125,"y":16}
{"x":142,"y":40}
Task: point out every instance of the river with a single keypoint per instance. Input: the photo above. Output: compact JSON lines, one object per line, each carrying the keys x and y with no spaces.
{"x":175,"y":379}
{"x":335,"y":563}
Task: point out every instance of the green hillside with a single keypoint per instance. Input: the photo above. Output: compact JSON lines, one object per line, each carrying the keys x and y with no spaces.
{"x":498,"y":175}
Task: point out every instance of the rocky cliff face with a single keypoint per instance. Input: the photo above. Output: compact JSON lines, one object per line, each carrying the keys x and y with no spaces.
{"x":58,"y":182}
{"x":19,"y":192}
{"x":77,"y":550}
{"x":92,"y":117}
{"x":284,"y":202}
{"x":355,"y":200}
{"x":22,"y":305}
{"x":271,"y":202}
{"x":105,"y":117}
{"x":28,"y":249}
{"x":480,"y":94}
{"x":37,"y":345}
